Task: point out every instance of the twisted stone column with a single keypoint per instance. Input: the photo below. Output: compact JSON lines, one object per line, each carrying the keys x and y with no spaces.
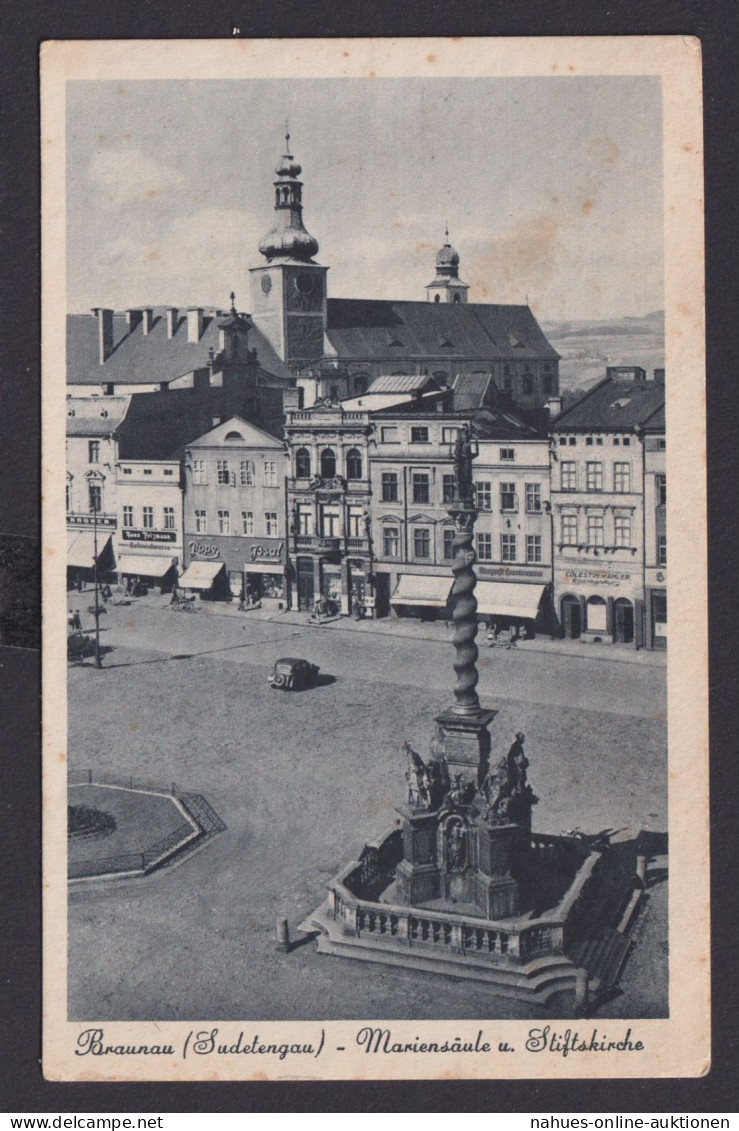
{"x":464,"y":611}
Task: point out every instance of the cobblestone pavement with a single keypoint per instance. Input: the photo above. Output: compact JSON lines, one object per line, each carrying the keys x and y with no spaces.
{"x":301,"y":781}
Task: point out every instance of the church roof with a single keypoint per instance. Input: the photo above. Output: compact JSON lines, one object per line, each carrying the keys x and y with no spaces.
{"x":149,"y":359}
{"x":374,"y":328}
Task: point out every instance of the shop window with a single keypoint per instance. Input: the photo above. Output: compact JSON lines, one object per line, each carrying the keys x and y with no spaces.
{"x":389,"y":487}
{"x":568,"y":475}
{"x":622,"y":478}
{"x":128,"y":517}
{"x":419,"y":435}
{"x":224,"y":522}
{"x":622,"y":529}
{"x":595,"y":614}
{"x":199,"y":475}
{"x":533,"y":498}
{"x":660,"y":485}
{"x":354,"y":464}
{"x":421,"y":487}
{"x":569,"y":529}
{"x":302,"y":464}
{"x":483,"y":495}
{"x":222,"y":476}
{"x":270,"y":524}
{"x":533,"y":548}
{"x":246,"y":473}
{"x":508,"y":497}
{"x":662,"y":549}
{"x":148,"y":516}
{"x":169,"y":518}
{"x":485,"y":547}
{"x":201,"y":522}
{"x":391,"y":542}
{"x":449,"y":488}
{"x":448,"y":543}
{"x":328,"y":463}
{"x":93,"y":451}
{"x":247,"y":522}
{"x":270,"y":473}
{"x":508,"y":547}
{"x":421,"y":542}
{"x":593,"y":476}
{"x":595,"y":530}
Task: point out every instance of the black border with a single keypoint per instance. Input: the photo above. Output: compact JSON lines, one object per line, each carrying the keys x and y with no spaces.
{"x":715,"y":23}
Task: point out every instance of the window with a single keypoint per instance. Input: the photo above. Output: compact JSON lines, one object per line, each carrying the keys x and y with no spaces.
{"x":483,"y":495}
{"x":548,"y":384}
{"x":569,"y":529}
{"x":662,"y":549}
{"x":593,"y":476}
{"x":599,"y":441}
{"x":201,"y":522}
{"x":421,"y":542}
{"x":622,"y":527}
{"x":93,"y":451}
{"x":391,"y":542}
{"x":389,"y":487}
{"x":330,"y":522}
{"x":270,"y":522}
{"x":302,"y":464}
{"x":199,"y":476}
{"x":419,"y":435}
{"x":147,"y":471}
{"x":573,"y":441}
{"x":562,"y":441}
{"x":247,"y":522}
{"x":96,"y":497}
{"x":224,"y":522}
{"x":660,"y":487}
{"x":589,"y":441}
{"x":354,"y":522}
{"x":533,"y":548}
{"x":354,"y":464}
{"x":616,"y":441}
{"x":508,"y":547}
{"x":148,"y":514}
{"x":390,"y":435}
{"x":305,"y":519}
{"x":449,"y":488}
{"x":661,"y":444}
{"x":69,"y":496}
{"x":169,"y":518}
{"x":246,"y":473}
{"x":595,"y":530}
{"x":270,"y":473}
{"x":528,"y":385}
{"x":448,"y":542}
{"x":421,"y":491}
{"x":508,"y":496}
{"x":222,"y":466}
{"x":449,"y":435}
{"x":568,"y":475}
{"x":622,"y":477}
{"x":128,"y":517}
{"x":507,"y":454}
{"x":626,"y":441}
{"x":328,"y":463}
{"x":485,"y":547}
{"x":168,"y":471}
{"x":533,"y":498}
{"x":127,"y":470}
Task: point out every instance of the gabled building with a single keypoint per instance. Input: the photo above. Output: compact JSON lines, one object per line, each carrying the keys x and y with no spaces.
{"x":606,"y":509}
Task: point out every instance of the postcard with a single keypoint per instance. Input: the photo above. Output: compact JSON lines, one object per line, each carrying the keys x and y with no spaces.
{"x":366,"y":367}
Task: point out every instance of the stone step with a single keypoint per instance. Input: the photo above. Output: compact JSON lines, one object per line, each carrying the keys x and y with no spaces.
{"x":602,"y":957}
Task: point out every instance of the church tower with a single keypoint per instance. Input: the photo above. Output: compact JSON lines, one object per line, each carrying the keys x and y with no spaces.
{"x":447,"y":286}
{"x":288,"y":291}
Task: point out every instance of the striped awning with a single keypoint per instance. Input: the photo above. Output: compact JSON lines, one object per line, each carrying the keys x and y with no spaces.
{"x":422,"y":589}
{"x":200,"y":575}
{"x":81,"y":548}
{"x":506,"y":599}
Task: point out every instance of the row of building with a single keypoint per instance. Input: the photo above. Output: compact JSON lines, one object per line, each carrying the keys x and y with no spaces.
{"x":304,"y":452}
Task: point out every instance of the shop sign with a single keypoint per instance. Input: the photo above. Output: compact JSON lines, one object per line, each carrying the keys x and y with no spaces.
{"x":203,"y":550}
{"x":262,"y":552}
{"x":513,"y":572}
{"x":596,"y":577}
{"x":89,"y":520}
{"x":656,"y":577}
{"x":149,"y":535}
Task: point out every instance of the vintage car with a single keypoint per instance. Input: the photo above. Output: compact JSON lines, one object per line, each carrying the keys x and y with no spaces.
{"x":79,"y":645}
{"x":289,"y":674}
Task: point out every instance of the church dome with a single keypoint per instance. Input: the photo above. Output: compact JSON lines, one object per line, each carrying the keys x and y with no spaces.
{"x":447,"y":257}
{"x":287,"y":238}
{"x":287,"y":166}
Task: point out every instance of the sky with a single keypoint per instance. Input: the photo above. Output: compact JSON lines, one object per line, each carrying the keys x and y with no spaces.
{"x":552,"y":188}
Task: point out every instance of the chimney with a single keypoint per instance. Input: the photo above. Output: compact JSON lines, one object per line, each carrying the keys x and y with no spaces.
{"x":194,"y":324}
{"x":105,"y":331}
{"x":553,"y":407}
{"x":147,"y":315}
{"x":171,"y":315}
{"x":659,"y":377}
{"x":133,"y":317}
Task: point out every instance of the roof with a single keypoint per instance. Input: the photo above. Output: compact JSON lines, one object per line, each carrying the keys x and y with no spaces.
{"x":470,"y":390}
{"x":145,"y":359}
{"x":374,"y":328}
{"x":399,"y":383}
{"x":487,"y":423}
{"x":96,"y":416}
{"x":613,"y":405}
{"x":237,"y":431}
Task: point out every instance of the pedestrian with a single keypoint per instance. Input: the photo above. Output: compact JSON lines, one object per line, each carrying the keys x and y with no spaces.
{"x":76,"y":621}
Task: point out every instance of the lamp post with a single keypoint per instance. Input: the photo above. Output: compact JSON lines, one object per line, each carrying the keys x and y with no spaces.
{"x":96,"y":480}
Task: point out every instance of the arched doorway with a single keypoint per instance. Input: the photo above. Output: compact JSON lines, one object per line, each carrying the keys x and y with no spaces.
{"x":623,"y":621}
{"x":571,"y":618}
{"x":596,"y":615}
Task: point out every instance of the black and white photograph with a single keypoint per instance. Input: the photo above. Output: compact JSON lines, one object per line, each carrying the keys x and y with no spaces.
{"x":371,"y":363}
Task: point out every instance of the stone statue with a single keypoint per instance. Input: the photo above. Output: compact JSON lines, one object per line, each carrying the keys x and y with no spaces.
{"x":294,"y":520}
{"x":517,"y":764}
{"x":496,"y":789}
{"x":419,"y":794}
{"x":456,"y":848}
{"x":463,"y":465}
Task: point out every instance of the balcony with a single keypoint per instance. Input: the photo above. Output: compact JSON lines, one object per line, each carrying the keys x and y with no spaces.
{"x":318,"y":544}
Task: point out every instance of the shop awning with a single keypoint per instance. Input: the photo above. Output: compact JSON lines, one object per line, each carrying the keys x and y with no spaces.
{"x":81,"y":548}
{"x":200,"y":575}
{"x":506,"y":599}
{"x":145,"y":565}
{"x":420,"y":589}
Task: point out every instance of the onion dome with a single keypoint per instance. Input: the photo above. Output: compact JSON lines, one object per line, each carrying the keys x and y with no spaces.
{"x":447,"y":259}
{"x":288,"y":238}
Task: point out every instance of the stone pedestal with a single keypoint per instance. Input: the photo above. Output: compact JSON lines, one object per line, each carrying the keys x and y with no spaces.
{"x":418,"y":876}
{"x":464,"y":741}
{"x":496,"y":892}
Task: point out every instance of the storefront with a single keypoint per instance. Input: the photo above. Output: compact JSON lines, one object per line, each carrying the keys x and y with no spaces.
{"x":150,"y":569}
{"x":655,"y":598}
{"x":81,"y":556}
{"x":207,"y":578}
{"x":254,"y":567}
{"x":515,"y":598}
{"x":601,"y":603}
{"x":422,"y":595}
